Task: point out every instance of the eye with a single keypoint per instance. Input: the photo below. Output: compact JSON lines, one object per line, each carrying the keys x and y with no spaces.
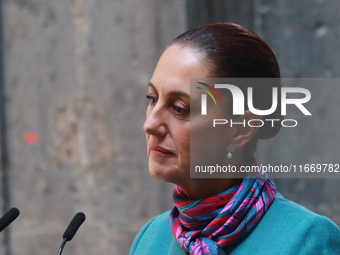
{"x":179,"y":110}
{"x":152,"y":98}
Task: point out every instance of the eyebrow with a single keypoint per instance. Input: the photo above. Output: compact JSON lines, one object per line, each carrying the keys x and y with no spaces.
{"x":172,"y":93}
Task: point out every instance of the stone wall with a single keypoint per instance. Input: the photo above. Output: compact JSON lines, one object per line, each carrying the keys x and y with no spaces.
{"x":76,"y":75}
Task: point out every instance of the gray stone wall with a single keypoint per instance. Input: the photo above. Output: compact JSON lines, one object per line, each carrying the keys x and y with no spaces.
{"x":76,"y":75}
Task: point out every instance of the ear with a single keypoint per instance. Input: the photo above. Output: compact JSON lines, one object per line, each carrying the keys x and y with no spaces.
{"x":243,"y":133}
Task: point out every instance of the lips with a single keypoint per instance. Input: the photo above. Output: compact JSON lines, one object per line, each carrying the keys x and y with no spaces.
{"x":160,"y":150}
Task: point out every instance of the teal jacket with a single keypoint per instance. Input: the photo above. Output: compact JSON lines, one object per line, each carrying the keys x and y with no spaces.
{"x":286,"y":228}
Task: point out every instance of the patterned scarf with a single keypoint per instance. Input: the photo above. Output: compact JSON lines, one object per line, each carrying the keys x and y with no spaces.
{"x":202,"y":226}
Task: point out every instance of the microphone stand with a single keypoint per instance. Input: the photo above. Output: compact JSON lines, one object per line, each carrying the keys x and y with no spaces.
{"x":72,"y":228}
{"x":62,"y":246}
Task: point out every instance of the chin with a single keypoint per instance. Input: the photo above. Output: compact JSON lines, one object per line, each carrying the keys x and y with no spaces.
{"x":166,"y":173}
{"x":160,"y":173}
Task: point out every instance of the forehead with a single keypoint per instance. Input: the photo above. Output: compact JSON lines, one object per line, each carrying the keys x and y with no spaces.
{"x":176,"y":66}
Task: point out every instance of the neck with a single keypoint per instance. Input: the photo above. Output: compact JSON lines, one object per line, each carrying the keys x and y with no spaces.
{"x":202,"y":188}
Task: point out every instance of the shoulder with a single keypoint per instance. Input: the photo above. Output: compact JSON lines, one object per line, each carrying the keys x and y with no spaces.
{"x":288,"y":228}
{"x":288,"y":216}
{"x":282,"y":208}
{"x":297,"y":216}
{"x":156,"y":238}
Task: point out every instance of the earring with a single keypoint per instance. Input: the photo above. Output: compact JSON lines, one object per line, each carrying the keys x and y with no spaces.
{"x":230,"y":150}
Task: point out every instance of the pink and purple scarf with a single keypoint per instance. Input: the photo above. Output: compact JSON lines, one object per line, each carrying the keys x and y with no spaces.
{"x":203,"y":226}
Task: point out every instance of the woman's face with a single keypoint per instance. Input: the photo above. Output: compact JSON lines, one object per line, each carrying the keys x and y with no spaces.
{"x":167,"y":124}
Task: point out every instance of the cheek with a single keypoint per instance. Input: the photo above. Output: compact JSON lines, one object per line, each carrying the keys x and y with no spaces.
{"x":183,"y":141}
{"x":207,"y":143}
{"x":182,"y":132}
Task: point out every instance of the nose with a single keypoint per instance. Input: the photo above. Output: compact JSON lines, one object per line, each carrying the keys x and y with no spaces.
{"x":155,"y":123}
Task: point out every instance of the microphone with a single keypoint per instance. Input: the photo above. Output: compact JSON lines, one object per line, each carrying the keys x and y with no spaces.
{"x":7,"y":219}
{"x":71,"y":230}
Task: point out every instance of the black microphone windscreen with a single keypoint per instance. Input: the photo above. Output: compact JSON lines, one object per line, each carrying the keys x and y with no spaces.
{"x":77,"y":220}
{"x":7,"y":219}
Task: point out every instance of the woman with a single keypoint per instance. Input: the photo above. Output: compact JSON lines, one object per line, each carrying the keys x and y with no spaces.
{"x":229,"y":215}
